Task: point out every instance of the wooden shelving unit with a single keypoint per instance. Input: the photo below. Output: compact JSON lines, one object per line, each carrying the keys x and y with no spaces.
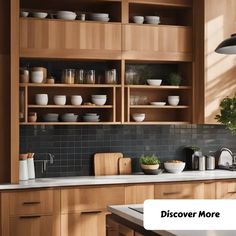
{"x":119,"y":40}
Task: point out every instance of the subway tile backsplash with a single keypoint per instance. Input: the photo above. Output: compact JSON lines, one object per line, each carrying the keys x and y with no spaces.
{"x":73,"y":147}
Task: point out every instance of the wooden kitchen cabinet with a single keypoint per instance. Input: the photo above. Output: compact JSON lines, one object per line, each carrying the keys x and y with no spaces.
{"x":30,"y":213}
{"x":85,"y":223}
{"x":69,"y":39}
{"x":156,"y":42}
{"x":32,"y":226}
{"x":196,"y":190}
{"x":84,"y":210}
{"x":89,"y":199}
{"x":137,"y":194}
{"x":226,"y":190}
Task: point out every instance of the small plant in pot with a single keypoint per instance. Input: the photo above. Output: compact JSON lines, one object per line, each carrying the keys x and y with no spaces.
{"x":174,"y":79}
{"x":149,"y":164}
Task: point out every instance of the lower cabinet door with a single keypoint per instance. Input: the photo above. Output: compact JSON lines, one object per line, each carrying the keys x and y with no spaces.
{"x":32,"y":226}
{"x":83,"y":224}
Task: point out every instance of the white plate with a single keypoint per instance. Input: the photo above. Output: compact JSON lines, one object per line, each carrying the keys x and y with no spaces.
{"x":158,"y":103}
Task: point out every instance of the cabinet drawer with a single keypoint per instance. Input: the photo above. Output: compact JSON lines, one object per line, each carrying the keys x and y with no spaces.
{"x":226,"y":189}
{"x":32,"y":225}
{"x":31,"y":202}
{"x":90,"y":199}
{"x":180,"y":191}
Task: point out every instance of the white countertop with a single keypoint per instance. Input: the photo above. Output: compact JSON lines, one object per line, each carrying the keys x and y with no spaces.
{"x":120,"y":179}
{"x":135,"y":217}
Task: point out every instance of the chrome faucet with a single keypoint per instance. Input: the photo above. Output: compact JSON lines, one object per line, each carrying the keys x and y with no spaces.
{"x":50,"y":160}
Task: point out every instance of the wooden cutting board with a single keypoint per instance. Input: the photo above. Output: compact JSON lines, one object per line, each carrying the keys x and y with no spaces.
{"x":125,"y":167}
{"x":106,"y":163}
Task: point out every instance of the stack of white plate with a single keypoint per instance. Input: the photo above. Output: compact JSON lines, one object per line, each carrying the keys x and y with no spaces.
{"x":69,"y":117}
{"x":51,"y":117}
{"x":100,"y":17}
{"x":152,"y":19}
{"x":91,"y":117}
{"x":66,"y":15}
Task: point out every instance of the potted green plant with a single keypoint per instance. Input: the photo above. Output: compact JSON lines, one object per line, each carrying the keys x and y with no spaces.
{"x":174,"y":79}
{"x":227,"y":114}
{"x":149,"y":164}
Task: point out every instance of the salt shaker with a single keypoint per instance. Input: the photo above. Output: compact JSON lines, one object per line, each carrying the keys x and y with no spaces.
{"x":23,"y":167}
{"x":210,"y":162}
{"x":202,"y":163}
{"x":30,"y":163}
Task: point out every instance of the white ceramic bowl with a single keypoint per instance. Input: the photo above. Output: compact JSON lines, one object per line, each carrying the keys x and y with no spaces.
{"x":51,"y":117}
{"x":69,"y":118}
{"x":154,"y":82}
{"x":173,"y":100}
{"x":36,"y":77}
{"x":138,"y":19}
{"x":99,"y":101}
{"x":41,"y":99}
{"x":59,"y":100}
{"x":24,"y":13}
{"x":138,"y":117}
{"x":152,"y":19}
{"x":91,"y":114}
{"x":174,"y":167}
{"x":40,"y":15}
{"x":76,"y":100}
{"x":66,"y":15}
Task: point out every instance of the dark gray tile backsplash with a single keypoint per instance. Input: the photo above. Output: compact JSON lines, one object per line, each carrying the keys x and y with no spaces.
{"x":74,"y":146}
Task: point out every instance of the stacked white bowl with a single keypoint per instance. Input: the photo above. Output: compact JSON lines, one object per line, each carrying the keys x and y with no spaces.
{"x":154,"y":82}
{"x":152,"y":19}
{"x":51,"y":117}
{"x":99,"y":100}
{"x":40,"y":15}
{"x":138,"y":117}
{"x":76,"y":100}
{"x":138,"y":19}
{"x":66,"y":15}
{"x":69,"y":117}
{"x":59,"y":100}
{"x":91,"y":117}
{"x":100,"y":17}
{"x":173,"y":100}
{"x":41,"y":99}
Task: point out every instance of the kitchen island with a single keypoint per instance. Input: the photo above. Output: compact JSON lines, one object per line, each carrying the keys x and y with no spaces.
{"x":131,"y":216}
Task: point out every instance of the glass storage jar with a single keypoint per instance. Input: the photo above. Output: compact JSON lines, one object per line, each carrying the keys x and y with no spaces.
{"x":68,"y":76}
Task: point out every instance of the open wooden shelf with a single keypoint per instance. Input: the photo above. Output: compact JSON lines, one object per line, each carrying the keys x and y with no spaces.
{"x":70,"y":106}
{"x":70,"y":123}
{"x":158,"y":107}
{"x":157,"y":123}
{"x":156,"y":87}
{"x":69,"y":85}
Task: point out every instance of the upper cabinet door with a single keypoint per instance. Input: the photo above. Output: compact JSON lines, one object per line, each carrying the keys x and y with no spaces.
{"x":167,"y":43}
{"x":69,"y":39}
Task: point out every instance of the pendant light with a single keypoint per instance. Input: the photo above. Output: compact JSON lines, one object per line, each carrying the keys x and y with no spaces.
{"x":228,"y":46}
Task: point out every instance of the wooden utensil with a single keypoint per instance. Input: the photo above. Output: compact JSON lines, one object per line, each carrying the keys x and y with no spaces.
{"x":125,"y":167}
{"x":106,"y":163}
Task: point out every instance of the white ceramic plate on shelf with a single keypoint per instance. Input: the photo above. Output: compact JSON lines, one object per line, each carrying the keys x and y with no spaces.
{"x":158,"y":103}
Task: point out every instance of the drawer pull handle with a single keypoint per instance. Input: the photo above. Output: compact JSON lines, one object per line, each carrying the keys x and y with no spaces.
{"x":171,"y":193}
{"x":29,"y":217}
{"x":31,"y":203}
{"x":91,"y":212}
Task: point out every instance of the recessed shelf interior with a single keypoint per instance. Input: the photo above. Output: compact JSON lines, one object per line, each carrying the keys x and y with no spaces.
{"x":169,"y":15}
{"x":113,"y":8}
{"x":55,"y":67}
